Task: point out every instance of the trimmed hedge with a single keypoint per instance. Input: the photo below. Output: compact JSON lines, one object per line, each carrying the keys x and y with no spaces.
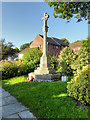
{"x":78,"y":87}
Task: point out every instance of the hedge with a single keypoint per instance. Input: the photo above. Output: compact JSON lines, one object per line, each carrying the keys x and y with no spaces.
{"x":78,"y":87}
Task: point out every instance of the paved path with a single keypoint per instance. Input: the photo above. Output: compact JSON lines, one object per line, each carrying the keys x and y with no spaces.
{"x":11,"y":108}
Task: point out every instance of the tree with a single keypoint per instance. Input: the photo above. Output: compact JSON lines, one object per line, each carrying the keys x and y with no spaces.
{"x":66,"y":10}
{"x":10,"y":45}
{"x":26,"y":45}
{"x":66,"y":58}
{"x":86,"y":43}
{"x":16,"y":50}
{"x":6,"y":48}
{"x":83,"y":56}
{"x":77,"y":41}
{"x":64,"y":40}
{"x":82,"y":59}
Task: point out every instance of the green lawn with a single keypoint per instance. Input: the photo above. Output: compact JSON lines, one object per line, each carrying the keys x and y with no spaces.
{"x":44,"y":99}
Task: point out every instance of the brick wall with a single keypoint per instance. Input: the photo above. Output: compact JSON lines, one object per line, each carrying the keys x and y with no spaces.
{"x":37,"y":42}
{"x":52,"y":49}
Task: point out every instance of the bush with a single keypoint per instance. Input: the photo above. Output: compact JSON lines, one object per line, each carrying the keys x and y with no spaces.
{"x":9,"y":69}
{"x":81,"y":60}
{"x":31,"y":59}
{"x":86,"y":43}
{"x":53,"y":62}
{"x":30,"y":62}
{"x":66,"y":58}
{"x":78,"y":87}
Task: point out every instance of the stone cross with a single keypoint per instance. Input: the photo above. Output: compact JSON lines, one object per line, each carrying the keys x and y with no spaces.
{"x":44,"y":60}
{"x":45,"y":30}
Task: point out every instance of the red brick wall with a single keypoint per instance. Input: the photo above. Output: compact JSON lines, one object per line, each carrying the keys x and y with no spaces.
{"x":37,"y":42}
{"x":52,"y":50}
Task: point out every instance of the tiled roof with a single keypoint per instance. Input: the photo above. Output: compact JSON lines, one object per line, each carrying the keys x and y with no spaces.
{"x":75,"y":45}
{"x":51,"y":40}
{"x":55,"y":41}
{"x":60,"y":41}
{"x":26,"y":49}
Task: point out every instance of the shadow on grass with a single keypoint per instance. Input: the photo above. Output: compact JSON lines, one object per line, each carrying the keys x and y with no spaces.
{"x":44,"y":99}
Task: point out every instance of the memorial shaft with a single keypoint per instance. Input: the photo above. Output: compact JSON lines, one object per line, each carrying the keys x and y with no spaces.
{"x":44,"y":71}
{"x":45,"y":30}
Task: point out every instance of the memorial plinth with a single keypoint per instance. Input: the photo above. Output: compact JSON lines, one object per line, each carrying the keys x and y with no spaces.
{"x":45,"y":72}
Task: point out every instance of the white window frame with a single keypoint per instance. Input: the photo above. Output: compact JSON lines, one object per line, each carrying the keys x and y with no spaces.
{"x":78,"y":48}
{"x":74,"y":49}
{"x":56,"y":47}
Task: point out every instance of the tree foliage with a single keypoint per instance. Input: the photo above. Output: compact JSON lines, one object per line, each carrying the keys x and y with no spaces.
{"x":78,"y":87}
{"x":82,"y":59}
{"x":77,"y":41}
{"x":67,"y":10}
{"x":65,"y":40}
{"x":32,"y":58}
{"x":83,"y":56}
{"x":26,"y":45}
{"x":54,"y":62}
{"x":66,"y":58}
{"x":16,"y":50}
{"x":6,"y":48}
{"x":86,"y":43}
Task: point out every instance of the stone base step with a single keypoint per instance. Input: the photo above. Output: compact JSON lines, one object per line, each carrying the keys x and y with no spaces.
{"x":45,"y":77}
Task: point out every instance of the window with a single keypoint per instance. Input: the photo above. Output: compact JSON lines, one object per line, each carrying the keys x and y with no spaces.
{"x":78,"y":48}
{"x":53,"y":46}
{"x":40,"y":46}
{"x":74,"y":49}
{"x":56,"y":47}
{"x":20,"y":56}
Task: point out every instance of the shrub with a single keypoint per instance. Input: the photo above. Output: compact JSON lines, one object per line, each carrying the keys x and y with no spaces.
{"x":66,"y":58}
{"x":86,"y":43}
{"x":82,"y":59}
{"x":30,"y":62}
{"x":54,"y":62}
{"x":78,"y":87}
{"x":9,"y":69}
{"x":31,"y":59}
{"x":12,"y":68}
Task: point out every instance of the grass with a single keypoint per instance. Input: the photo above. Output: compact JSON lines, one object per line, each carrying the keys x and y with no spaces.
{"x":44,"y":99}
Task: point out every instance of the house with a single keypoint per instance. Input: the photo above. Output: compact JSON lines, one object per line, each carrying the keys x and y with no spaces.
{"x":75,"y":46}
{"x":54,"y":45}
{"x":20,"y":54}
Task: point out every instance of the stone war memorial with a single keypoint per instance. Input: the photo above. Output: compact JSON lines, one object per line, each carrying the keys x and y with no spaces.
{"x":45,"y":73}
